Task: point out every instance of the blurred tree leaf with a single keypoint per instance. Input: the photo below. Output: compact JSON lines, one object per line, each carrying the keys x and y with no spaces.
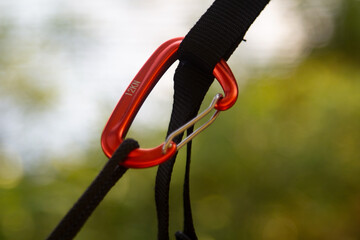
{"x":347,"y":33}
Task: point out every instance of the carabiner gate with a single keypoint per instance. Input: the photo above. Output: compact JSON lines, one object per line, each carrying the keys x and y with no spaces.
{"x":129,"y":104}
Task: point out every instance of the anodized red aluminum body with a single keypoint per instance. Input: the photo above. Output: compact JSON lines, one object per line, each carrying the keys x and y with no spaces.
{"x":136,"y":93}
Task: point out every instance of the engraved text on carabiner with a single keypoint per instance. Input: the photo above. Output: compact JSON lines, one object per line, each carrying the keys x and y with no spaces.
{"x":132,"y":88}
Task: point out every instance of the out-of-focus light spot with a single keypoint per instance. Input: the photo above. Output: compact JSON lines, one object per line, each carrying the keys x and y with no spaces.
{"x":11,"y":170}
{"x":280,"y":227}
{"x":16,"y":223}
{"x":277,"y":36}
{"x":213,"y":212}
{"x":205,"y":237}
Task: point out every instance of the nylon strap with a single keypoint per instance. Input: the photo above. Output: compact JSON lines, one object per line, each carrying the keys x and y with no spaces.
{"x":73,"y":221}
{"x":216,"y":35}
{"x":189,"y":229}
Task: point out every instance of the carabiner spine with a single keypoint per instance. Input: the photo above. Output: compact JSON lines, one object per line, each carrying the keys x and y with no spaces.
{"x":144,"y":81}
{"x":136,"y":93}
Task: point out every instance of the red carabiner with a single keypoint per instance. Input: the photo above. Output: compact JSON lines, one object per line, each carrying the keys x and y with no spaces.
{"x":136,"y":93}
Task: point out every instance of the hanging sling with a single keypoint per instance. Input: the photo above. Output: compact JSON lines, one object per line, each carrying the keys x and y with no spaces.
{"x":215,"y":36}
{"x":211,"y":41}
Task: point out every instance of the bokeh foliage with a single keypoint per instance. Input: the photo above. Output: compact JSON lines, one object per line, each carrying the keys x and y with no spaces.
{"x":282,"y":164}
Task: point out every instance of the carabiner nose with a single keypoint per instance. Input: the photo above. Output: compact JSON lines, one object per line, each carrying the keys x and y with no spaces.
{"x":223,"y":74}
{"x":129,"y":104}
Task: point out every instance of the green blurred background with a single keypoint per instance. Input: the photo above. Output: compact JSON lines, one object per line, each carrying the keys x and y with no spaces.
{"x":284,"y":163}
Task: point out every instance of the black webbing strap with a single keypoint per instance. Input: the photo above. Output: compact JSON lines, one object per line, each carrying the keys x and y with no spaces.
{"x":216,"y":35}
{"x":188,"y":232}
{"x":71,"y":224}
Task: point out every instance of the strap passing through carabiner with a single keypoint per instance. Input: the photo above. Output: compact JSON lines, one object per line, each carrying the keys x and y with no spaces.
{"x":136,"y":93}
{"x":223,"y":73}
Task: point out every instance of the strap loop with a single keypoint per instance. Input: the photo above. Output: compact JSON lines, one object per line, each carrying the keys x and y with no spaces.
{"x":214,"y":37}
